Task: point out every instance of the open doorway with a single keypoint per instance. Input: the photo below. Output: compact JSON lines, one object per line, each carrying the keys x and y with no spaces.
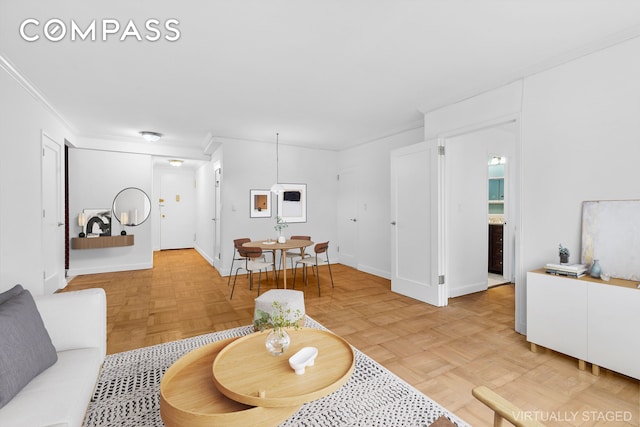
{"x":496,"y":184}
{"x":468,"y":213}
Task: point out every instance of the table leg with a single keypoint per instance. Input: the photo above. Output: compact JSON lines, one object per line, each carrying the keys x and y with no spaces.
{"x":284,"y":267}
{"x":275,"y":267}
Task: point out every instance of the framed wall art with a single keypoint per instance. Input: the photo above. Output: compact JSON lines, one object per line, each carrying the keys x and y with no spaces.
{"x":292,"y":203}
{"x":260,"y":204}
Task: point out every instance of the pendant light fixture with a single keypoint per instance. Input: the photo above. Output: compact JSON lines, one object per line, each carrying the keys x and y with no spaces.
{"x":277,"y":188}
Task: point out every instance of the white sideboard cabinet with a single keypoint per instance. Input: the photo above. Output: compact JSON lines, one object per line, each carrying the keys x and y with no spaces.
{"x":586,"y":318}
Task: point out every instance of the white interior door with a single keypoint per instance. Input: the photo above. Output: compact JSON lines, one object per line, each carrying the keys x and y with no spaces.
{"x":466,"y":214}
{"x":416,"y":238}
{"x":177,"y":210}
{"x":217,"y":209}
{"x":348,"y":217}
{"x":52,"y":224}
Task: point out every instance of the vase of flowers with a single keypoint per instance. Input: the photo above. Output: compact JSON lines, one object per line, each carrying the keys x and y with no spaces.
{"x":564,"y":254}
{"x":280,"y":224}
{"x":278,"y":340}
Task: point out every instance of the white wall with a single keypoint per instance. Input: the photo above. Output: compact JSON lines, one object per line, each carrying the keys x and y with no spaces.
{"x":252,"y":165}
{"x":22,"y":120}
{"x":372,"y":164}
{"x":579,"y":141}
{"x":95,"y":178}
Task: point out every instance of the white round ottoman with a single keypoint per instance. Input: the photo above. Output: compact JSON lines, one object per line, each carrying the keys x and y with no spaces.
{"x":287,"y":298}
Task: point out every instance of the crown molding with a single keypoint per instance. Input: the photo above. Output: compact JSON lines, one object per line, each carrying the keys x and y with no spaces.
{"x":124,"y":145}
{"x":553,"y":62}
{"x":407,"y":127}
{"x":13,"y":72}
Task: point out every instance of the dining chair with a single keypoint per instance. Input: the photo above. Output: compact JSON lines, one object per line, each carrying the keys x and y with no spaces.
{"x":297,"y":253}
{"x":254,"y":261}
{"x":237,"y":243}
{"x":314,"y":262}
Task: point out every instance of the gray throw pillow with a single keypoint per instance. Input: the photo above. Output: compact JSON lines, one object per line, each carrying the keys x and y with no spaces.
{"x":25,"y":346}
{"x":7,"y":295}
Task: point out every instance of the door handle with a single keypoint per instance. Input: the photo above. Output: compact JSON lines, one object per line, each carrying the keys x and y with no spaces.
{"x":60,"y":224}
{"x":393,"y":223}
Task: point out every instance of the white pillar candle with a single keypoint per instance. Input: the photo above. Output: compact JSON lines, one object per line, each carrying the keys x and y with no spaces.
{"x":81,"y":219}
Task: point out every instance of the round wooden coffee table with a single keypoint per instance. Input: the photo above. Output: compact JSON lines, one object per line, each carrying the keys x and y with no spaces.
{"x":245,"y":372}
{"x":189,"y":398}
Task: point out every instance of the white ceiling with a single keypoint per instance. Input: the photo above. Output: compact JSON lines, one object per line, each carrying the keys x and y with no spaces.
{"x":329,"y":74}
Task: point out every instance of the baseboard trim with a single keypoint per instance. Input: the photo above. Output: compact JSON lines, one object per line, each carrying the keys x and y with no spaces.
{"x":109,"y":269}
{"x":375,"y":271}
{"x":469,"y":289}
{"x":203,"y":254}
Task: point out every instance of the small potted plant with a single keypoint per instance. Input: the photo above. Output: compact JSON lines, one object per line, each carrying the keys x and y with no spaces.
{"x":278,"y":340}
{"x":564,"y":254}
{"x":280,"y":224}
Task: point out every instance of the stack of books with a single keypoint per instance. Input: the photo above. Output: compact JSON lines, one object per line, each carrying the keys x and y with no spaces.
{"x":569,"y":270}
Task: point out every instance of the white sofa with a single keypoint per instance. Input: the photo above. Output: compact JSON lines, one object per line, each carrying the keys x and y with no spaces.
{"x":77,"y":324}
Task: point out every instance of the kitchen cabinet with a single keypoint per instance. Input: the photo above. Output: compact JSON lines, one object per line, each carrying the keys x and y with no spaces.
{"x":496,"y":234}
{"x":496,"y":189}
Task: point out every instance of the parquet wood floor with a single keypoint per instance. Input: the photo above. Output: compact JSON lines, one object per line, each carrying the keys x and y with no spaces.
{"x":443,"y":352}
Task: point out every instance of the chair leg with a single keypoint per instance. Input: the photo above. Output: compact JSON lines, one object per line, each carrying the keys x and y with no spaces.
{"x":275,"y":279}
{"x":318,"y":277}
{"x":231,"y":271}
{"x":234,"y":283}
{"x":275,"y":268}
{"x":295,"y":270}
{"x":259,"y":277}
{"x":330,"y":274}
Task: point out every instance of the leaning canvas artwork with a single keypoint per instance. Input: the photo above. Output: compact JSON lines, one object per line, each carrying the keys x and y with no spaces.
{"x":98,"y":222}
{"x":611,"y":235}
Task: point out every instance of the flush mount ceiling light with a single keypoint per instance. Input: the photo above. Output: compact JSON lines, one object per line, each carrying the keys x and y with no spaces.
{"x":497,"y":160}
{"x":176,"y":162}
{"x":150,"y":136}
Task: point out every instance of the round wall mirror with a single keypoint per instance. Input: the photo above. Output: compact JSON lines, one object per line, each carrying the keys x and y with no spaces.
{"x":131,"y":206}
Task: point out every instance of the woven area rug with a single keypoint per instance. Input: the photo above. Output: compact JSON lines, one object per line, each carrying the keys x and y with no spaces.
{"x":128,"y":391}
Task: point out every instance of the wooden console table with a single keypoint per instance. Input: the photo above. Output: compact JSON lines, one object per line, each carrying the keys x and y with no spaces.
{"x":101,"y":242}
